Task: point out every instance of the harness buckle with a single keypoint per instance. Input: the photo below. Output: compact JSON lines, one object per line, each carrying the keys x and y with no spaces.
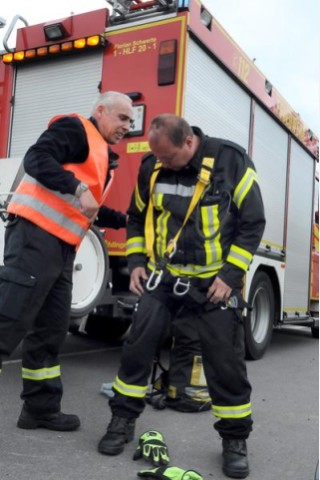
{"x":154,"y":280}
{"x":181,"y":283}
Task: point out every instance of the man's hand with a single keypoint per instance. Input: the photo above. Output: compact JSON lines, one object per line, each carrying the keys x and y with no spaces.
{"x":218,"y":291}
{"x":138,"y":276}
{"x":88,"y":205}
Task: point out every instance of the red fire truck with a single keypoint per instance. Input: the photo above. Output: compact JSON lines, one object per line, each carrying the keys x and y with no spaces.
{"x":171,"y":56}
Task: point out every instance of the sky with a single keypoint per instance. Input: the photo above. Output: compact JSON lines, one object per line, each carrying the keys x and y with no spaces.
{"x":281,"y":35}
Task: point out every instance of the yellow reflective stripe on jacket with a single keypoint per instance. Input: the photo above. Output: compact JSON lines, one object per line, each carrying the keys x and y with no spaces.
{"x":139,"y":202}
{"x":210,"y":225}
{"x":244,"y":186}
{"x":235,"y":411}
{"x":239,"y":257}
{"x":136,"y":245}
{"x":162,"y":233}
{"x":41,"y":373}
{"x":189,"y":270}
{"x":129,"y":390}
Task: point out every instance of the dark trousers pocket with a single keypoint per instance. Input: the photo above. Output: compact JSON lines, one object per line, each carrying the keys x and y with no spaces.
{"x":16,"y":288}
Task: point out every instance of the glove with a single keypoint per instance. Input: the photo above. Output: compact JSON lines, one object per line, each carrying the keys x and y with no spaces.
{"x":152,"y":448}
{"x":170,"y":473}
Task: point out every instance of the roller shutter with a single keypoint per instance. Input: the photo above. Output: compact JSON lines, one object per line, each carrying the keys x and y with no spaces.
{"x":297,"y":275}
{"x":213,"y":100}
{"x":47,"y":88}
{"x":269,"y":154}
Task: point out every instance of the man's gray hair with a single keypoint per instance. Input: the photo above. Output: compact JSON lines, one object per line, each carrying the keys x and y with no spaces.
{"x":109,"y":100}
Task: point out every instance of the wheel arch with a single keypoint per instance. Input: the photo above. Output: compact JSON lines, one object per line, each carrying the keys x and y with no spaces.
{"x":272,"y":274}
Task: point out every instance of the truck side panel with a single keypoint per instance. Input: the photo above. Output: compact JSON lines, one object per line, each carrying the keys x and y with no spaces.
{"x":131,"y":65}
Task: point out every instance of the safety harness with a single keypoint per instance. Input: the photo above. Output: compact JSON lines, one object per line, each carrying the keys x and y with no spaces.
{"x":204,"y":178}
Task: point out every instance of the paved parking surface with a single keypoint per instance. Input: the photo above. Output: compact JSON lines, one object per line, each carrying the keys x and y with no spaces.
{"x":283,"y":446}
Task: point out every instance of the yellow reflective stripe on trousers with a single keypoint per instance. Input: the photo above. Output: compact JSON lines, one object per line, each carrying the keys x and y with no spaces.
{"x":244,"y":186}
{"x":135,"y":245}
{"x":129,"y":390}
{"x":235,"y":411}
{"x":41,"y":373}
{"x":239,"y":257}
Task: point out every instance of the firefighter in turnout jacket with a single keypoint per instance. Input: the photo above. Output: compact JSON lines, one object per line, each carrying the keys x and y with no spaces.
{"x":195,"y":221}
{"x":68,"y":172}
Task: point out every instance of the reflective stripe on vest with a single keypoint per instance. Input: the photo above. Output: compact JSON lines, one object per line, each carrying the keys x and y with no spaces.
{"x":59,"y":213}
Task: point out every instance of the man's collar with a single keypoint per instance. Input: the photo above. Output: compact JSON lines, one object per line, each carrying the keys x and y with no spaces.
{"x":196,"y":160}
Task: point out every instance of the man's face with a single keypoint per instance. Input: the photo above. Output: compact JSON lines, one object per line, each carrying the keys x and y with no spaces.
{"x":171,"y":156}
{"x":114,"y":123}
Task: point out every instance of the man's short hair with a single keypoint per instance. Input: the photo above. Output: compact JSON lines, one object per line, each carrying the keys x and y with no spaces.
{"x":109,"y":100}
{"x":175,"y":128}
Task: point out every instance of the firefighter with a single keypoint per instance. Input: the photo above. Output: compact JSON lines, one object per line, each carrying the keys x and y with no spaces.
{"x":66,"y":180}
{"x":195,"y":221}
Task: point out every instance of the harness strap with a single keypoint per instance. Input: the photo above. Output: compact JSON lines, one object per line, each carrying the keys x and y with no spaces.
{"x":203,"y":181}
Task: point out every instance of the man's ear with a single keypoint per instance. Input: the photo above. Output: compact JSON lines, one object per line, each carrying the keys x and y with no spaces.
{"x":189,"y":141}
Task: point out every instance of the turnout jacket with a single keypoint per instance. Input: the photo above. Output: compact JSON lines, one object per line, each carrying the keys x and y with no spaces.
{"x":223,"y":231}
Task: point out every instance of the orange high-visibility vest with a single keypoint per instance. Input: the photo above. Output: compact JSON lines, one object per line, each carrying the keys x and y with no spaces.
{"x":58,"y":213}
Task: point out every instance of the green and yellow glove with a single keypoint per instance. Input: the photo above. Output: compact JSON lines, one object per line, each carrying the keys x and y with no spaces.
{"x":152,"y":448}
{"x":170,"y":473}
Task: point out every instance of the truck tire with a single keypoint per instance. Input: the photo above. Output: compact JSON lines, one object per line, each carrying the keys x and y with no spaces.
{"x":90,"y":274}
{"x":258,"y":324}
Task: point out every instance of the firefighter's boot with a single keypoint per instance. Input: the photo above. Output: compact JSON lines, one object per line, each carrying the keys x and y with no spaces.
{"x":235,"y":458}
{"x":119,"y":432}
{"x":59,"y":421}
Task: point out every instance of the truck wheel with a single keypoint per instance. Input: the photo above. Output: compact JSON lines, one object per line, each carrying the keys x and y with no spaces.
{"x":258,"y":324}
{"x":90,"y":274}
{"x":315,"y":332}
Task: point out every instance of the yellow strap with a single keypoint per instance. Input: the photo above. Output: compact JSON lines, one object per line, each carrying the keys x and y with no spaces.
{"x":148,"y":229}
{"x":203,"y":181}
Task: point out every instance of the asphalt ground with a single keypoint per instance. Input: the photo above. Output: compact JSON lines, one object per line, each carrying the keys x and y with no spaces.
{"x":284,"y":444}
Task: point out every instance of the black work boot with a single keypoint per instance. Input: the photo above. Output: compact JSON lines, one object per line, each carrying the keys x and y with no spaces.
{"x":120,"y":431}
{"x":235,"y":458}
{"x":59,"y":421}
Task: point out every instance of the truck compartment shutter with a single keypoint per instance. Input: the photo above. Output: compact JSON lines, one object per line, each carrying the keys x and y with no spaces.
{"x":47,"y":88}
{"x":298,"y":245}
{"x":269,"y":154}
{"x":213,"y":100}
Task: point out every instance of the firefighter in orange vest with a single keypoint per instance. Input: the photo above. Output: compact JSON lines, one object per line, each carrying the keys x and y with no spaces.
{"x":67,"y":174}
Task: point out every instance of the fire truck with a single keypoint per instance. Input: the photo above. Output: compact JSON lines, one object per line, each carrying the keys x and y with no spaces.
{"x":169,"y":56}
